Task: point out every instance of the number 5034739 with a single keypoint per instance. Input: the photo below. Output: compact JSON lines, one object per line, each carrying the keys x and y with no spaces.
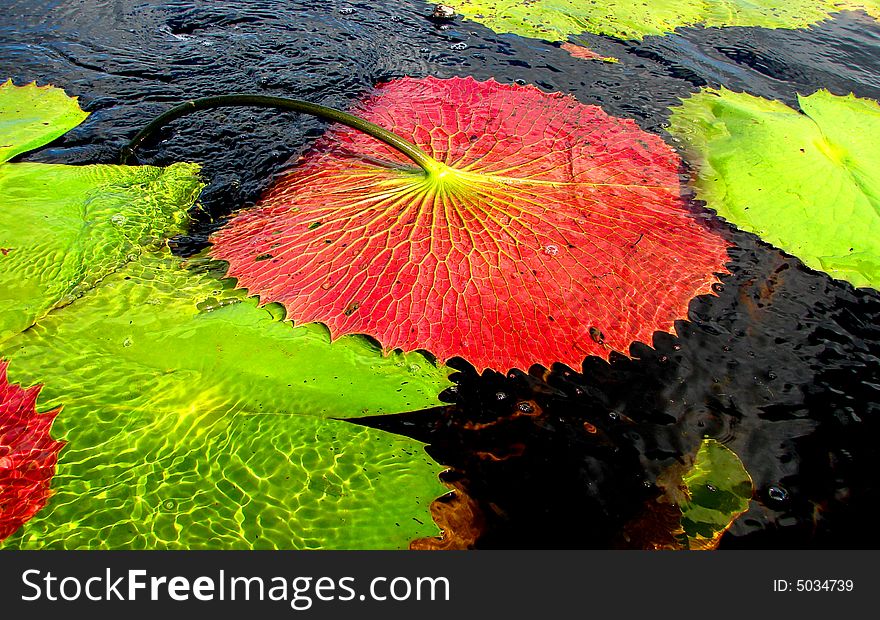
{"x":813,"y":585}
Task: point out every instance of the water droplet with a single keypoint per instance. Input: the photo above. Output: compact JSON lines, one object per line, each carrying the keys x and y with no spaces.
{"x":500,"y":395}
{"x":169,"y":504}
{"x":119,"y":219}
{"x":777,"y":494}
{"x":126,"y":342}
{"x":457,"y":46}
{"x":551,"y":250}
{"x":525,"y":407}
{"x":326,"y":285}
{"x":711,"y":488}
{"x":346,"y":10}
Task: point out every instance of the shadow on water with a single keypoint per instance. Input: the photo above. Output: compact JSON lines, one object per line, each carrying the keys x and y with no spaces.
{"x":782,"y":365}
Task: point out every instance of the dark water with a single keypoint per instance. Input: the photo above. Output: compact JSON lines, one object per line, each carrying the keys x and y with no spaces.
{"x":782,"y":365}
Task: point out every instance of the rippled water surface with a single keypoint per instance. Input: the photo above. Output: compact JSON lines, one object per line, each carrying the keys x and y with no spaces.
{"x":782,"y":365}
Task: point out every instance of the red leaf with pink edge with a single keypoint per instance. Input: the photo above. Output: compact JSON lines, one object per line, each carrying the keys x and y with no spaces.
{"x":549,"y":231}
{"x":27,"y":454}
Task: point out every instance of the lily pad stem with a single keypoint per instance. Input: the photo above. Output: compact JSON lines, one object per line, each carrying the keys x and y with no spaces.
{"x":425,"y":162}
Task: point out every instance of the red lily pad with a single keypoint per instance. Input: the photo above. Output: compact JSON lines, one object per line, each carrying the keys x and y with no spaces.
{"x":547,"y":231}
{"x":27,"y":454}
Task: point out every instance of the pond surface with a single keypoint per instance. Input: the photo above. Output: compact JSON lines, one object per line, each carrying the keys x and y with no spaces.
{"x":782,"y":366}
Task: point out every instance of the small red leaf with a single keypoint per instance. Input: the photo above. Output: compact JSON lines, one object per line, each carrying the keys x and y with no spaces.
{"x":585,"y":53}
{"x":549,"y":222}
{"x":27,"y":454}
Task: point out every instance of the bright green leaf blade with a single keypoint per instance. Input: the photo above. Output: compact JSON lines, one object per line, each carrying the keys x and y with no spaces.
{"x":32,"y":116}
{"x":196,"y":419}
{"x":806,"y":183}
{"x":871,"y":7}
{"x":719,"y":489}
{"x":64,"y":228}
{"x":555,"y":20}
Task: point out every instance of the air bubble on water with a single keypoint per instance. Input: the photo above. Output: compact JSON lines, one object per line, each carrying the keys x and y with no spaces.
{"x":119,"y":219}
{"x":346,"y":10}
{"x":500,"y":395}
{"x":458,"y":46}
{"x":551,"y":250}
{"x":126,"y":342}
{"x":777,"y":494}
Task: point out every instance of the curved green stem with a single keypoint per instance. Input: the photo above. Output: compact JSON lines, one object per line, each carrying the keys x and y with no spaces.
{"x":427,"y":163}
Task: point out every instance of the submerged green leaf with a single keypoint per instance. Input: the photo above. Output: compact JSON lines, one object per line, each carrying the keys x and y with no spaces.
{"x":808,"y":183}
{"x":701,"y":498}
{"x":555,"y":20}
{"x":718,"y":491}
{"x":64,"y":228}
{"x":195,"y":419}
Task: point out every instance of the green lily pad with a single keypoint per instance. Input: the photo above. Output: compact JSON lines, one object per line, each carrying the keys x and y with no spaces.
{"x":808,"y":183}
{"x":32,"y":116}
{"x":196,"y":419}
{"x":555,"y":20}
{"x":718,"y":491}
{"x":871,"y":7}
{"x":64,"y":228}
{"x":193,"y":417}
